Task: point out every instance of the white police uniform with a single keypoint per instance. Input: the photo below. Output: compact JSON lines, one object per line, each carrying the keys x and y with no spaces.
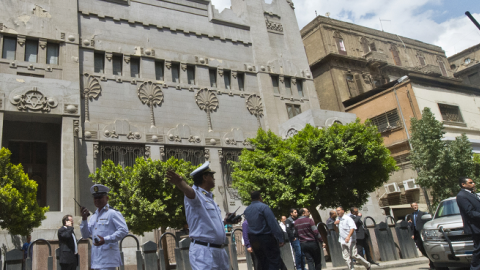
{"x":110,"y":224}
{"x":206,"y":229}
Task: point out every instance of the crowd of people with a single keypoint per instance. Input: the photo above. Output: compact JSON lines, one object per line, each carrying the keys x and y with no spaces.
{"x":262,"y":234}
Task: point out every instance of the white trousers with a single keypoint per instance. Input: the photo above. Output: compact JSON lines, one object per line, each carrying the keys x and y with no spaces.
{"x":349,"y":252}
{"x":208,"y":258}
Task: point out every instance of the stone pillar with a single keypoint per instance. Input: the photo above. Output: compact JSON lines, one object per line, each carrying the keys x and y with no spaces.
{"x":126,"y":66}
{"x":67,"y":167}
{"x":154,"y":151}
{"x":215,"y":165}
{"x":42,"y":51}
{"x":1,"y":128}
{"x":108,"y":63}
{"x":20,"y":52}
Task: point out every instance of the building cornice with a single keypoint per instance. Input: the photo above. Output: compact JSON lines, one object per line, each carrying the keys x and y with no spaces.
{"x":321,"y":20}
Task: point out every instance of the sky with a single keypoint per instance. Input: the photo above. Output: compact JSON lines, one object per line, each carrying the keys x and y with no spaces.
{"x":439,"y":22}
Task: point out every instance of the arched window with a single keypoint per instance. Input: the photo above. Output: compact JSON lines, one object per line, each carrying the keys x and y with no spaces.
{"x":395,"y":55}
{"x":442,"y":66}
{"x":365,"y":46}
{"x":340,"y":44}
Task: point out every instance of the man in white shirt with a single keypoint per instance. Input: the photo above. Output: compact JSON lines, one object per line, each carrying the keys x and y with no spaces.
{"x":282,"y":223}
{"x":347,"y":238}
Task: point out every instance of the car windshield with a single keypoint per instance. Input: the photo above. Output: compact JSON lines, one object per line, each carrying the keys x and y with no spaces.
{"x":447,"y":208}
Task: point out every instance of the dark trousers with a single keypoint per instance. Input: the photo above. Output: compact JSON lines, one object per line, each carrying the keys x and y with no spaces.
{"x":69,"y":266}
{"x":311,"y":250}
{"x":267,"y":251}
{"x":362,"y":246}
{"x":475,"y":264}
{"x":418,"y":241}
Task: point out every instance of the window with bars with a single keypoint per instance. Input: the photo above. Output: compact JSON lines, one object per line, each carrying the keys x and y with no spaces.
{"x":387,"y":121}
{"x":196,"y":156}
{"x":293,"y":110}
{"x":9,"y":48}
{"x":288,"y":86}
{"x":227,"y":169}
{"x":99,"y":62}
{"x":450,"y":113}
{"x":191,"y":74}
{"x":123,"y":155}
{"x":52,"y":53}
{"x":135,"y":67}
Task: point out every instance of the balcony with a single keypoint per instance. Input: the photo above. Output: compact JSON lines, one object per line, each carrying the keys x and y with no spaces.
{"x":375,"y":59}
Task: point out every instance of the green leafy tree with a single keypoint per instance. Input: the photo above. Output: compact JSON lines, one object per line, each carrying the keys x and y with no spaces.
{"x":143,"y":194}
{"x":19,"y":209}
{"x":476,"y":168}
{"x":438,"y":162}
{"x":339,"y":165}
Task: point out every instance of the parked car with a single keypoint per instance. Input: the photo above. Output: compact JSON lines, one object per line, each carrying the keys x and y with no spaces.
{"x":443,"y":237}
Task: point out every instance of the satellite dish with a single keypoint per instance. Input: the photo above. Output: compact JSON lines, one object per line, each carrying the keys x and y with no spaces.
{"x":327,"y":14}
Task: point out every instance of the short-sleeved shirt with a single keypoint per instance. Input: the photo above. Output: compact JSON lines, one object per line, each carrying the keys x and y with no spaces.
{"x":344,"y":227}
{"x":204,"y":217}
{"x":25,"y":248}
{"x":111,"y":225}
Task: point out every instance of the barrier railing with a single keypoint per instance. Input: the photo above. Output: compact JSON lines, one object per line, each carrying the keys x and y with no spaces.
{"x":28,"y":262}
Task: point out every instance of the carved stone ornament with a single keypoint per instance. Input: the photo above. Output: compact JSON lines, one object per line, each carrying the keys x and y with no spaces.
{"x":294,"y":81}
{"x":234,"y":74}
{"x":110,"y":134}
{"x":34,"y":100}
{"x":230,"y":141}
{"x":194,"y":139}
{"x":126,"y":58}
{"x":291,"y":132}
{"x":168,"y":64}
{"x":290,"y":2}
{"x":91,"y":90}
{"x":95,"y":151}
{"x":21,"y":40}
{"x":175,"y":138}
{"x":134,"y":136}
{"x":151,"y":94}
{"x":207,"y":154}
{"x":246,"y":143}
{"x":147,"y":152}
{"x":183,"y":66}
{"x":255,"y":107}
{"x":282,"y":78}
{"x":220,"y":72}
{"x":220,"y":155}
{"x":207,"y":100}
{"x":162,"y":152}
{"x":43,"y":43}
{"x":273,"y":25}
{"x":76,"y":126}
{"x":109,"y":56}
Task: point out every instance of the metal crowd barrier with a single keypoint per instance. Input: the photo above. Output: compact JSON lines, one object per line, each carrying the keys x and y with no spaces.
{"x":407,"y":245}
{"x":385,"y":242}
{"x":14,"y":259}
{"x":138,"y":253}
{"x":28,"y":262}
{"x":322,"y":254}
{"x":335,"y":248}
{"x":57,"y":255}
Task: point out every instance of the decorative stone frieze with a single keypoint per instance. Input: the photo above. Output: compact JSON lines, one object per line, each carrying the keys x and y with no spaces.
{"x":70,"y":108}
{"x":275,"y":26}
{"x":290,"y":2}
{"x":183,"y":66}
{"x":207,"y":154}
{"x":110,"y":134}
{"x":109,"y":56}
{"x":126,"y":58}
{"x":91,"y":90}
{"x":21,"y":40}
{"x":168,"y":64}
{"x":255,"y":107}
{"x":76,"y":127}
{"x":43,"y":43}
{"x":194,"y":139}
{"x":220,"y":155}
{"x":34,"y":100}
{"x":162,"y":152}
{"x":147,"y":152}
{"x":207,"y":100}
{"x":134,"y":135}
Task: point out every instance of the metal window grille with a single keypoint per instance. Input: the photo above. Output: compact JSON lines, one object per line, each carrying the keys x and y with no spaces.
{"x":227,"y":169}
{"x":124,"y":155}
{"x":450,"y":113}
{"x":191,"y":74}
{"x":387,"y":121}
{"x":135,"y":67}
{"x":196,"y":156}
{"x":117,"y":64}
{"x":213,"y":77}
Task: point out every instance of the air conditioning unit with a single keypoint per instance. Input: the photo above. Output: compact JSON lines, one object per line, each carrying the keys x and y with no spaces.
{"x":392,"y":188}
{"x":410,"y":184}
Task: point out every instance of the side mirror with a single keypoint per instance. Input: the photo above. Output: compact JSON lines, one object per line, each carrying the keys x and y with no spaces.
{"x":427,"y":217}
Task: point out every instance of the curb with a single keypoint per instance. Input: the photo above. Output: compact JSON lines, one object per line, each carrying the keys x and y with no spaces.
{"x":390,"y":264}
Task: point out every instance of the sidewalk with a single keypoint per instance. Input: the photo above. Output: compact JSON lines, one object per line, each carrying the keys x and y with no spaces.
{"x":383,"y":265}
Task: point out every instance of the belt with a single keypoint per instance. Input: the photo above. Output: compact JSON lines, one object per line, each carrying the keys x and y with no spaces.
{"x":206,"y":244}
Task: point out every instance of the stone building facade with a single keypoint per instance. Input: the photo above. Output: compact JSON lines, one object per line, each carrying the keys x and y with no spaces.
{"x":391,"y":108}
{"x":347,"y":59}
{"x":84,"y":81}
{"x":466,"y":65}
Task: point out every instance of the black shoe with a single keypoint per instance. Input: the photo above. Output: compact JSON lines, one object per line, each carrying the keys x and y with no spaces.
{"x":372,"y":262}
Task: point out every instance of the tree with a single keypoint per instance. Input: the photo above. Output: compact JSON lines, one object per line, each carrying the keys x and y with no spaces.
{"x":19,"y":209}
{"x":438,"y":162}
{"x":143,"y":194}
{"x":334,"y":166}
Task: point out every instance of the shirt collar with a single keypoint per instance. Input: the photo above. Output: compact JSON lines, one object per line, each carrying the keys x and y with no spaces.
{"x":467,"y":190}
{"x":301,"y":217}
{"x":205,"y":192}
{"x":106,"y":207}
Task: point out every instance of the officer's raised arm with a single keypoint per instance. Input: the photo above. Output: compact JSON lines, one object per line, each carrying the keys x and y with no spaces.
{"x":178,"y":181}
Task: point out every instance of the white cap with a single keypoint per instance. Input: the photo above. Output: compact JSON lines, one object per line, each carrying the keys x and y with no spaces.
{"x":202,"y":169}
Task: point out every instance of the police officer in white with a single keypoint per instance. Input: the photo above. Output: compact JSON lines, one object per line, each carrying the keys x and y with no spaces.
{"x":106,"y":227}
{"x":204,"y":220}
{"x":347,"y":239}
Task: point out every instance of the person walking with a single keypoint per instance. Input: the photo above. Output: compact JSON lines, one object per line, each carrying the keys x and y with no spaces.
{"x":416,"y":226}
{"x":347,"y":239}
{"x":204,"y":220}
{"x":332,"y":218}
{"x":293,"y":238}
{"x":469,"y":205}
{"x":106,"y":227}
{"x":309,"y":239}
{"x":67,"y":243}
{"x":362,"y":246}
{"x":266,"y":236}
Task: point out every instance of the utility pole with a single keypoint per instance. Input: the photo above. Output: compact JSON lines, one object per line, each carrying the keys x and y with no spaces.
{"x":472,"y":19}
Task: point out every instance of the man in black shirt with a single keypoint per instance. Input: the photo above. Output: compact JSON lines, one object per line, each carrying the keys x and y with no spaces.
{"x":361,"y":234}
{"x":293,"y":238}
